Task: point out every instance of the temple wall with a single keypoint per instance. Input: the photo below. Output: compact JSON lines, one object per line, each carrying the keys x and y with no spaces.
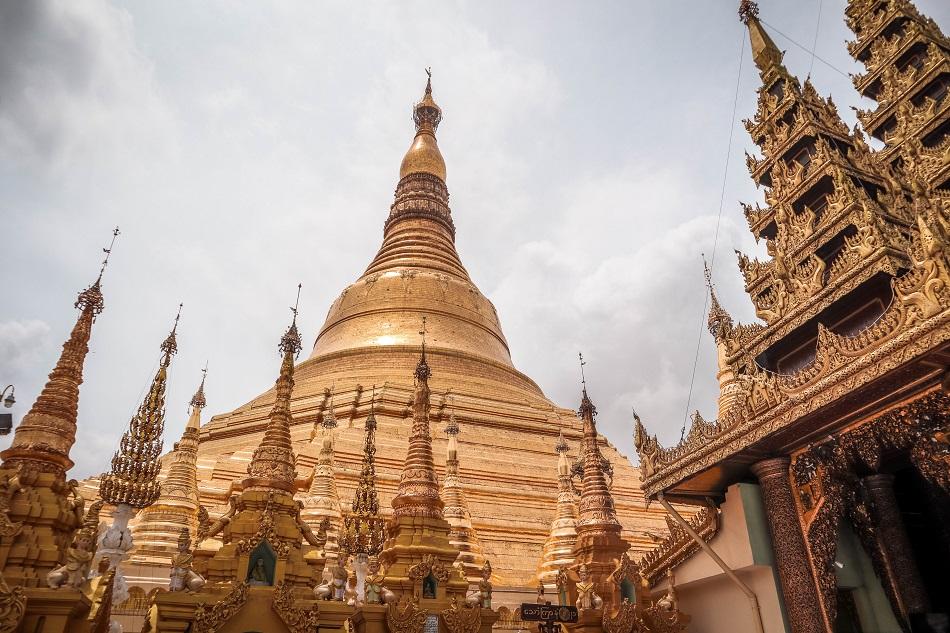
{"x":712,"y":600}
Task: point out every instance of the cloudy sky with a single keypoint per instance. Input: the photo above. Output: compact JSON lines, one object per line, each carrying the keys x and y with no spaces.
{"x":244,"y":147}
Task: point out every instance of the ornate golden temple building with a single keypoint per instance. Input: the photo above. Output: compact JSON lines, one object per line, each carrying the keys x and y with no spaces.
{"x":836,"y":406}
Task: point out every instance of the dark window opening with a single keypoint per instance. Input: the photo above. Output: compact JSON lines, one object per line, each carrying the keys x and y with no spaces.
{"x":770,"y":232}
{"x":815,"y":198}
{"x":937,"y":136}
{"x":777,"y":89}
{"x":925,"y":510}
{"x":849,"y":315}
{"x":936,"y":90}
{"x":916,"y":57}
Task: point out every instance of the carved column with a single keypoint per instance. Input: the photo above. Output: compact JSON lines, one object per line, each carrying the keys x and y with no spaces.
{"x":895,"y":544}
{"x":791,"y":555}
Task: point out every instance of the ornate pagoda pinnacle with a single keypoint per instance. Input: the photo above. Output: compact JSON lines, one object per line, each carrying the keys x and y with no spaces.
{"x":558,"y":550}
{"x":418,"y":493}
{"x":133,"y":480}
{"x":364,"y":529}
{"x":47,"y":432}
{"x":598,"y":544}
{"x":182,"y":481}
{"x":272,"y":465}
{"x":719,"y":321}
{"x":462,"y":534}
{"x":767,"y":56}
{"x":323,"y":501}
{"x":424,"y":155}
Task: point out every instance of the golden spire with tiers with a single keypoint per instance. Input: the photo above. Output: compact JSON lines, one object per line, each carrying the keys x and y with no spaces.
{"x":36,"y":534}
{"x":462,"y":534}
{"x":272,"y":465}
{"x":418,"y":546}
{"x":322,"y":501}
{"x":267,"y":524}
{"x":47,"y":432}
{"x":599,"y":545}
{"x":558,"y":550}
{"x":721,"y":327}
{"x":418,"y":493}
{"x":133,"y":480}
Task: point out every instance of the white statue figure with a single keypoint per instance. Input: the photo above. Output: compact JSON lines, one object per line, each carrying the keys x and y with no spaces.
{"x":338,"y":582}
{"x":376,"y":593}
{"x":350,"y":595}
{"x":587,"y":598}
{"x":76,"y":569}
{"x":183,"y":577}
{"x":324,"y":590}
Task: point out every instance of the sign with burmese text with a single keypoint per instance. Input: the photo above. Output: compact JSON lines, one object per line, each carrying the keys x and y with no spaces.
{"x":547,"y":613}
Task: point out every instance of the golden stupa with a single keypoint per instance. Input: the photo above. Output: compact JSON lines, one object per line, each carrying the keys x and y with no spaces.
{"x":371,"y":337}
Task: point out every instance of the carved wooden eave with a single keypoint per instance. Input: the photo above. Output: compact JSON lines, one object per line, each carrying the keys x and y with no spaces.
{"x":872,"y":120}
{"x":873,"y":27}
{"x":904,"y":353}
{"x":678,"y":546}
{"x":209,"y":619}
{"x":846,"y":280}
{"x":887,"y":49}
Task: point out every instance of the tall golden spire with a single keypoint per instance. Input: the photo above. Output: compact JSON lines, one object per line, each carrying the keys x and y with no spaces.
{"x":322,"y":502}
{"x":765,"y":53}
{"x":598,"y":544}
{"x":273,"y":464}
{"x":418,"y":493}
{"x":462,"y":534}
{"x":182,"y":481}
{"x":133,"y":480}
{"x":48,"y":431}
{"x":558,"y":548}
{"x":421,"y":194}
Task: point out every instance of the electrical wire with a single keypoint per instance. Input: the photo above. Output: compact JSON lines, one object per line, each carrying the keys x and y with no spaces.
{"x":811,"y":52}
{"x":712,"y":263}
{"x":814,"y":44}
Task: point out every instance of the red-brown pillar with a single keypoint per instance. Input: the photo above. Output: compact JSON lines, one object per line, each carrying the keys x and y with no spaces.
{"x":895,"y":544}
{"x":791,"y":555}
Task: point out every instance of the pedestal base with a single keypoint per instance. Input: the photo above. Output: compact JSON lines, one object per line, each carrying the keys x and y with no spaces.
{"x":61,"y":610}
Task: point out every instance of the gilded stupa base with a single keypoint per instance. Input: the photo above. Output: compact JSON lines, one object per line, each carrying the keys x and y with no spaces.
{"x":55,"y":610}
{"x":264,"y":528}
{"x":41,"y":521}
{"x":417,"y":549}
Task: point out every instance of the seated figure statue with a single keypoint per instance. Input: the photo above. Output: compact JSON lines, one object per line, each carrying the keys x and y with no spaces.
{"x":324,"y":590}
{"x":349,"y":594}
{"x":587,"y":598}
{"x":376,"y":593}
{"x":76,"y":569}
{"x":338,"y":582}
{"x":183,"y":577}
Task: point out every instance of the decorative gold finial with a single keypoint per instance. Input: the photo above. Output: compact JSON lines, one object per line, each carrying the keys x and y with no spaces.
{"x":427,"y":114}
{"x":452,"y":427}
{"x":587,"y":407}
{"x":561,"y":446}
{"x":90,"y":299}
{"x":422,"y":369}
{"x":272,"y":464}
{"x":133,"y":480}
{"x":748,"y":10}
{"x":718,"y":321}
{"x":290,"y":341}
{"x":198,"y":400}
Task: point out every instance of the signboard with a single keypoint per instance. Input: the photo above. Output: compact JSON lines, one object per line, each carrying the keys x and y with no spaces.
{"x":547,"y":613}
{"x":432,"y":624}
